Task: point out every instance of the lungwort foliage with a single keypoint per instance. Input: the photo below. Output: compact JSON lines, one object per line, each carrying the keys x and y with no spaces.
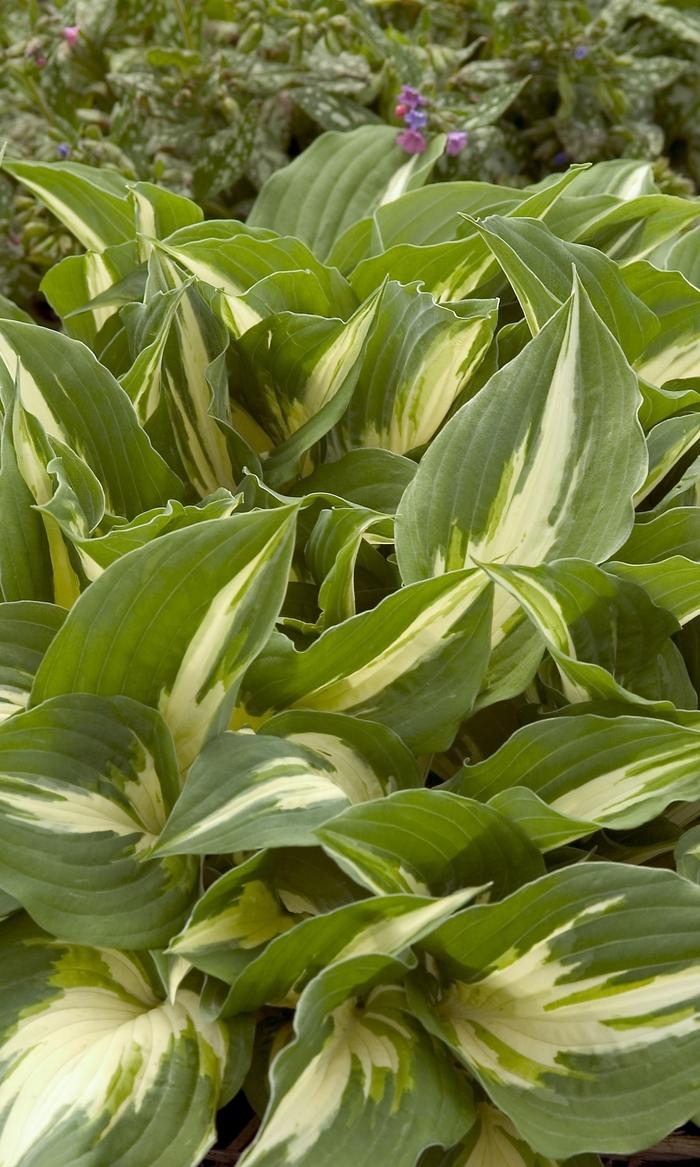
{"x":349,"y":670}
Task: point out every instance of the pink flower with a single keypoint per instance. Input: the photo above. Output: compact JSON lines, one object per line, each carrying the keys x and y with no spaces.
{"x":401,"y":109}
{"x":71,"y":33}
{"x":456,"y":141}
{"x":412,"y":141}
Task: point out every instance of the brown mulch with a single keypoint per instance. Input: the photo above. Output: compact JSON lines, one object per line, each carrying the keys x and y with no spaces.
{"x":229,"y":1156}
{"x":681,"y":1148}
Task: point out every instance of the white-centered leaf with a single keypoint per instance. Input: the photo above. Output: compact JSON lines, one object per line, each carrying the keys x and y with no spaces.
{"x":97,"y":1068}
{"x":576,"y":1003}
{"x":87,"y":784}
{"x":362,"y":1082}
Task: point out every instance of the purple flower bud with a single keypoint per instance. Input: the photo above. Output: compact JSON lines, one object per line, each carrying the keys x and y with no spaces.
{"x":71,"y":33}
{"x":63,"y":150}
{"x":411,"y":97}
{"x":412,"y":141}
{"x":580,"y":52}
{"x":561,"y":158}
{"x":416,"y":119}
{"x":456,"y":141}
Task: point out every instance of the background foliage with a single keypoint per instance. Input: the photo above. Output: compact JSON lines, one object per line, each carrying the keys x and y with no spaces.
{"x":210,"y":98}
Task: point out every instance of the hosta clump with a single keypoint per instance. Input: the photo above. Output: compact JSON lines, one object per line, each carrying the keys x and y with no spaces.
{"x":350,"y":569}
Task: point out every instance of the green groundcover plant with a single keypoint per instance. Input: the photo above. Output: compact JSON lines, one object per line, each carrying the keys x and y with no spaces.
{"x":210,"y":98}
{"x":349,"y":669}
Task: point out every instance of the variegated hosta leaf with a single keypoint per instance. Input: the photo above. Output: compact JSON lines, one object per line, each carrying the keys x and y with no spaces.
{"x":97,"y":1068}
{"x":548,"y":828}
{"x":177,"y":340}
{"x":606,"y":636}
{"x":98,"y":551}
{"x":631,"y":229}
{"x":614,"y":772}
{"x":493,"y":1141}
{"x":341,"y":536}
{"x":418,"y":358}
{"x":542,"y":463}
{"x":27,"y":628}
{"x":91,"y":202}
{"x":260,"y":898}
{"x":339,"y":179}
{"x":576,"y":1003}
{"x":247,"y":791}
{"x":539,"y":268}
{"x":460,"y":263}
{"x":362,"y":1082}
{"x":86,"y":784}
{"x":675,"y":350}
{"x":673,"y":532}
{"x":431,"y":638}
{"x":254,"y":269}
{"x":229,"y":926}
{"x":25,"y":558}
{"x":375,"y":479}
{"x":662,"y":556}
{"x":430,"y":842}
{"x":668,"y":442}
{"x":159,"y":212}
{"x":175,"y":623}
{"x":88,"y":290}
{"x":76,"y":400}
{"x":297,"y":374}
{"x":688,"y":855}
{"x":673,"y":584}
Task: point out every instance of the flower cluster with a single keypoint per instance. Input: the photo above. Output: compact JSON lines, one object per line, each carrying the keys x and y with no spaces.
{"x":411,"y":107}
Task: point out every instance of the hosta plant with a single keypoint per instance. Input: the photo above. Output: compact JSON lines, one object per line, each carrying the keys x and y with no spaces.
{"x":350,"y":744}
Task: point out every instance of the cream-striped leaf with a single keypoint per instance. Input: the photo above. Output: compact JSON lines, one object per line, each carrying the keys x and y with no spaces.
{"x":223,"y":924}
{"x":175,"y":623}
{"x":27,"y":628}
{"x":576,"y":1003}
{"x":91,"y":202}
{"x":430,"y":637}
{"x":87,"y":784}
{"x":247,"y":791}
{"x":615,"y":772}
{"x":493,"y":1141}
{"x":418,"y":359}
{"x":606,"y":636}
{"x":542,"y":463}
{"x":539,"y":268}
{"x":76,"y":400}
{"x":362,"y":1082}
{"x":97,"y":1068}
{"x":178,"y":343}
{"x":430,"y":842}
